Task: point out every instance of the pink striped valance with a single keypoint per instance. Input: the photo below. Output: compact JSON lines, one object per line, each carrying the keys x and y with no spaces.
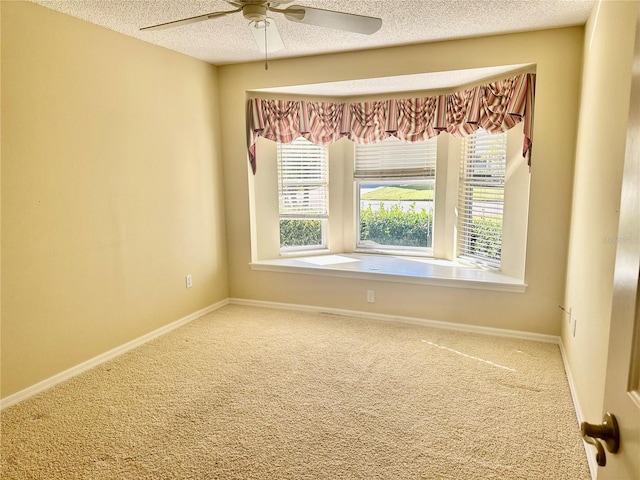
{"x":496,"y":107}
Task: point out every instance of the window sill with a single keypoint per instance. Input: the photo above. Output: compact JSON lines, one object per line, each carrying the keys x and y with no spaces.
{"x":303,"y":253}
{"x":389,"y":268}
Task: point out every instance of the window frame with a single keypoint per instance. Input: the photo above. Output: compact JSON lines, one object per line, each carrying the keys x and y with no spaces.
{"x":320,"y":153}
{"x":394,"y":162}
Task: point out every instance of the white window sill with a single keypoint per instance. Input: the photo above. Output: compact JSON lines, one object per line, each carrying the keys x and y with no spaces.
{"x":390,"y":268}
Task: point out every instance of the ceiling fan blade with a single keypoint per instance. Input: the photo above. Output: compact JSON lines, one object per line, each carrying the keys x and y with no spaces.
{"x":328,"y":18}
{"x":187,"y":21}
{"x":271,"y":42}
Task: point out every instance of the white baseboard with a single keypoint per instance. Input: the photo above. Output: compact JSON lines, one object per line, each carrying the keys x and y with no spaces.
{"x":591,"y":453}
{"x":95,"y":361}
{"x":460,"y":327}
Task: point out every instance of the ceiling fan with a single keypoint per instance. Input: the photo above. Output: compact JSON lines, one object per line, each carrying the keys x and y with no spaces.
{"x":264,"y":28}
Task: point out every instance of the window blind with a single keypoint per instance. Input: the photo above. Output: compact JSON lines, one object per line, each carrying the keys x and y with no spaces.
{"x":393,"y":158}
{"x":303,"y":179}
{"x":481,"y":198}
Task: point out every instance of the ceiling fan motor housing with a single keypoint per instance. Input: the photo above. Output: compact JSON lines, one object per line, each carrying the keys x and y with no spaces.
{"x":254,"y":12}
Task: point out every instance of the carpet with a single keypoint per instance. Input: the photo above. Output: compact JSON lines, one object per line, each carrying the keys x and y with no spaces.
{"x":258,"y":393}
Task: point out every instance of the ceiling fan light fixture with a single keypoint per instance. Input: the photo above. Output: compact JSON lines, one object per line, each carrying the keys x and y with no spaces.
{"x":271,"y":42}
{"x":254,"y":12}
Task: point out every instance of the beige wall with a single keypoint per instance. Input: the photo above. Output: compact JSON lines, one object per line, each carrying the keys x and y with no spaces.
{"x":608,"y":54}
{"x":111,"y":191}
{"x":558,"y":55}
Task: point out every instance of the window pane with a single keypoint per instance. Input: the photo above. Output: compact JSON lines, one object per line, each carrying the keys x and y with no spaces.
{"x":396,"y":214}
{"x":303,"y":200}
{"x":301,"y":233}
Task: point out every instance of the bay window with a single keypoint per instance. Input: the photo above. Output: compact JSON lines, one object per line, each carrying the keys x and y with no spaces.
{"x":461,"y":201}
{"x":399,"y":182}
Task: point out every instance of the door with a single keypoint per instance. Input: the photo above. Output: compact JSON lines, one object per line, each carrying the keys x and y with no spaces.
{"x":622,"y":390}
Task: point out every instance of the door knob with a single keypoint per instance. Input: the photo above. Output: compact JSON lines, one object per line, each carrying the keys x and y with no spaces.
{"x":607,"y":431}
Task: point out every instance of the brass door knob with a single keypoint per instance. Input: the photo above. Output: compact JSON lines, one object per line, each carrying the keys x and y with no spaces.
{"x":607,"y":431}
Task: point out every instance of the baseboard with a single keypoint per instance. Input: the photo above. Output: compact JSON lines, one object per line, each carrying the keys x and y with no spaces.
{"x":590,"y":452}
{"x":460,"y":327}
{"x":95,"y":361}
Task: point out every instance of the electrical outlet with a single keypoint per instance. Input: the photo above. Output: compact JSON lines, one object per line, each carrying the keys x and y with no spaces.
{"x":189,"y":281}
{"x":371,"y":296}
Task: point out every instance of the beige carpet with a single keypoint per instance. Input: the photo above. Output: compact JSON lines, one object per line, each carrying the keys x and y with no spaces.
{"x":255,"y":393}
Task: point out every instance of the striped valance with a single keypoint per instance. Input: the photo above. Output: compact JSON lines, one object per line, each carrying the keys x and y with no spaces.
{"x":496,"y":107}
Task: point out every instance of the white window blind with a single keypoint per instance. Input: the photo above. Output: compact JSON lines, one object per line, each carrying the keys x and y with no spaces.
{"x":303,"y":180}
{"x":393,"y":158}
{"x":481,"y":198}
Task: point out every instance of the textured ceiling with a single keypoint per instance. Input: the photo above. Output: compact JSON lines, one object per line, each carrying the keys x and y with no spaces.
{"x":227,"y":40}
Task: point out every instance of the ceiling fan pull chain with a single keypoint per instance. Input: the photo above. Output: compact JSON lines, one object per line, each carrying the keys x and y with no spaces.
{"x":266,"y":47}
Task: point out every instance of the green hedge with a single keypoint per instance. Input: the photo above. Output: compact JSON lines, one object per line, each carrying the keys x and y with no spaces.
{"x":396,"y":227}
{"x":298,"y":233}
{"x":483,"y":234}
